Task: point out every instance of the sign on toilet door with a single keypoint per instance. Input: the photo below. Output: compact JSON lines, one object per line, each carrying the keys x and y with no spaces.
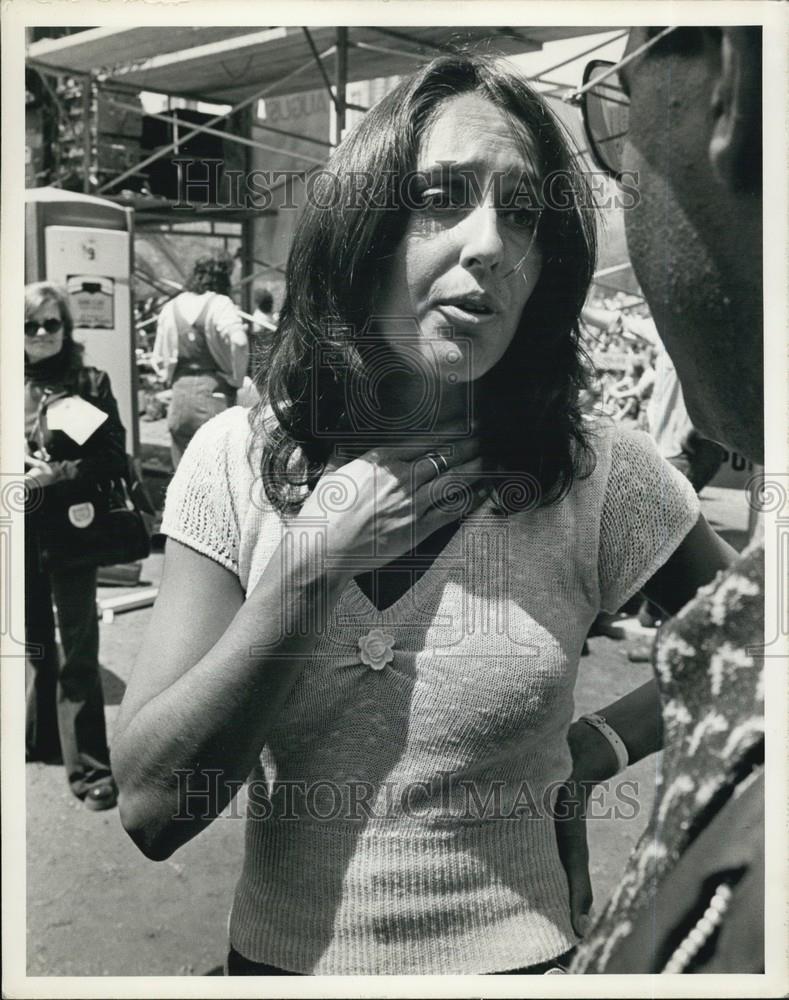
{"x":92,"y":300}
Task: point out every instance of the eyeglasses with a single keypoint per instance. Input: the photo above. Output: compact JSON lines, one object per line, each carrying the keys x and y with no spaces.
{"x":606,"y":112}
{"x":49,"y":325}
{"x":606,"y":107}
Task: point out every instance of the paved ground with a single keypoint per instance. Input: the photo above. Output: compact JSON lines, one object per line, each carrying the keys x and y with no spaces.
{"x":95,"y":906}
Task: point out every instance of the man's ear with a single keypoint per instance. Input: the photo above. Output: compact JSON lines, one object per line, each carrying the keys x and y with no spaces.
{"x":735,"y":150}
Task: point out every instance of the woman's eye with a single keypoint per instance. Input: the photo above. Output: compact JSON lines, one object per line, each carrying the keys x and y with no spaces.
{"x":521,"y":218}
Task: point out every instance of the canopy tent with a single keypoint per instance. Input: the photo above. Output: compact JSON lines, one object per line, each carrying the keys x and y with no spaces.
{"x":239,"y":65}
{"x":226,"y":65}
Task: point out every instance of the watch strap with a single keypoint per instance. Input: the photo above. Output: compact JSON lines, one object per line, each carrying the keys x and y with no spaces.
{"x":613,"y":737}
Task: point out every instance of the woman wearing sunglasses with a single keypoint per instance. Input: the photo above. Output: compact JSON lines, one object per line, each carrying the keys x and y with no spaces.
{"x":65,"y":705}
{"x":384,"y":577}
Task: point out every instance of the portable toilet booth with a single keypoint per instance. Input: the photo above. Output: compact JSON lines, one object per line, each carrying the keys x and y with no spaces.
{"x":86,"y":245}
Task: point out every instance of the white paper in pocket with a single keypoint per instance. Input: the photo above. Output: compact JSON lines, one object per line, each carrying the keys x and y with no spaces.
{"x":76,"y":417}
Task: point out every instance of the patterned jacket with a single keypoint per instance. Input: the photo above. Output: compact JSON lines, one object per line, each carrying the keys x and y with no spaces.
{"x":690,"y":898}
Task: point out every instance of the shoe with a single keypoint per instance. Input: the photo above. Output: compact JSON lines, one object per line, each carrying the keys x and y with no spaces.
{"x":43,"y":757}
{"x":603,"y":625}
{"x":641,"y":652}
{"x":647,"y":619}
{"x":632,"y":606}
{"x":103,"y":796}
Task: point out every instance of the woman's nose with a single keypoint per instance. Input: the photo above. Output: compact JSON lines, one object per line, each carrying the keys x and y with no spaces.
{"x":482,"y":245}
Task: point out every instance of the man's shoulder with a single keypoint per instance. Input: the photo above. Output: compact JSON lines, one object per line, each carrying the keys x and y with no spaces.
{"x":732,"y":604}
{"x":708,"y":659}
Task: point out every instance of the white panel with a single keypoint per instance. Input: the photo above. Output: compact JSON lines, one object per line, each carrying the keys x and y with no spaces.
{"x":93,"y":266}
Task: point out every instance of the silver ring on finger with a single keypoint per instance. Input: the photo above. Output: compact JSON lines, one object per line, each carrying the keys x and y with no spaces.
{"x":439,"y":462}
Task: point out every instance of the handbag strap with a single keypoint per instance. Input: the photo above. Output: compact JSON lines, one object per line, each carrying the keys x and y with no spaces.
{"x":50,"y":396}
{"x":40,"y":428}
{"x":40,"y":431}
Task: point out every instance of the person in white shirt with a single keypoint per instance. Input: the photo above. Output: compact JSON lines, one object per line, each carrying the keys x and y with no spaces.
{"x":201,"y":350}
{"x":677,"y":439}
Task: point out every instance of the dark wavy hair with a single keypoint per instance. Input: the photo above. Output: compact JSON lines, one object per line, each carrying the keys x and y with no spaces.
{"x":530,"y":417}
{"x":211,"y":273}
{"x":264,"y":300}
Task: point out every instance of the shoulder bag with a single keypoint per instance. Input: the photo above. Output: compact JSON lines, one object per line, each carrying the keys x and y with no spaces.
{"x":81,"y":523}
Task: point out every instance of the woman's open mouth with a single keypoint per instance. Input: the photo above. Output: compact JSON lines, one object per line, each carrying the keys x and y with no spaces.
{"x":470,"y":312}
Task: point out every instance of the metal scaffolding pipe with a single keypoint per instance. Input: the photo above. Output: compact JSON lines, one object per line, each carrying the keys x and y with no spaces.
{"x":247,"y":225}
{"x":321,"y":68}
{"x":213,"y":121}
{"x":369,"y":47}
{"x":241,"y":140}
{"x":86,"y":137}
{"x":269,"y":267}
{"x":112,"y":83}
{"x":404,"y":36}
{"x":294,"y":135}
{"x":580,"y":55}
{"x":342,"y":80}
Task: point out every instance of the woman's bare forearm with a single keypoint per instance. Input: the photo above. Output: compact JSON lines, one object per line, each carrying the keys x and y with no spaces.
{"x":200,"y":736}
{"x":636,"y":718}
{"x":211,"y":704}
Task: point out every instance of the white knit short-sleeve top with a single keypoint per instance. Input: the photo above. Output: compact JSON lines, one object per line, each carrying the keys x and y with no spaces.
{"x":400,"y":818}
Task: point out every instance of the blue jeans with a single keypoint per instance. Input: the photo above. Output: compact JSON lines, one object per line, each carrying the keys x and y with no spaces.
{"x":64,"y":715}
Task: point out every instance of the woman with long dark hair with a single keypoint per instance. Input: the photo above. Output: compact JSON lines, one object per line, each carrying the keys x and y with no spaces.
{"x":65,"y":704}
{"x":384,"y":576}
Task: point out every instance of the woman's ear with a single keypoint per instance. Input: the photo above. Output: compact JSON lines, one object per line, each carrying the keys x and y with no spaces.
{"x":735,"y":144}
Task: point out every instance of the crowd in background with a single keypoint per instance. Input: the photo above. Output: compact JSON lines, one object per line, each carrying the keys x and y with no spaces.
{"x":622,"y":343}
{"x":617,"y":332}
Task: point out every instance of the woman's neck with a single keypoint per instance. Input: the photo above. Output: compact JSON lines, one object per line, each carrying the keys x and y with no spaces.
{"x":407,"y":412}
{"x":57,"y":366}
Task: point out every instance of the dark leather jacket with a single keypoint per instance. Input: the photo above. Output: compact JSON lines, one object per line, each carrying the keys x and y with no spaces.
{"x":103,"y":455}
